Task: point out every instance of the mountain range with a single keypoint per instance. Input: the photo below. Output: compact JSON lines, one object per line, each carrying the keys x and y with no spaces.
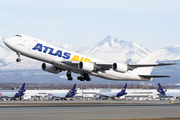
{"x":110,"y":48}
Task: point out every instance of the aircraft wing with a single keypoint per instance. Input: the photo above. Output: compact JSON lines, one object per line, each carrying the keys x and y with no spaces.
{"x":107,"y":66}
{"x":97,"y":66}
{"x":71,"y":63}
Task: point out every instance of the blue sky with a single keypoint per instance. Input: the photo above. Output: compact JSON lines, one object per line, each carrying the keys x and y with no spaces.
{"x":151,"y":23}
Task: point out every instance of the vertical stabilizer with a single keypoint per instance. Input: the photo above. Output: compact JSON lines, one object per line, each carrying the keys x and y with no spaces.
{"x":73,"y":89}
{"x":123,"y":91}
{"x":151,"y":58}
{"x":21,"y":90}
{"x":161,"y":90}
{"x":71,"y":92}
{"x":124,"y":88}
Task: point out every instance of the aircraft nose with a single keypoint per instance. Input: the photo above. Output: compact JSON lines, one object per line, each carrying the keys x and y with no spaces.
{"x":6,"y":42}
{"x":10,"y":43}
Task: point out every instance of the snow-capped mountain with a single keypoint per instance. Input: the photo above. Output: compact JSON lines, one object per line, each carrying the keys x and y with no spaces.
{"x":170,"y":52}
{"x":115,"y":50}
{"x":66,"y":46}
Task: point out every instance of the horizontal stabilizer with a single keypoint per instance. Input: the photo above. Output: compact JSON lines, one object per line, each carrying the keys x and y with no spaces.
{"x":153,"y":76}
{"x":149,"y":65}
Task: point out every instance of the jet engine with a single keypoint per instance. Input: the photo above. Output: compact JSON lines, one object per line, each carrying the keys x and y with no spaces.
{"x":119,"y":67}
{"x":86,"y":66}
{"x":50,"y":68}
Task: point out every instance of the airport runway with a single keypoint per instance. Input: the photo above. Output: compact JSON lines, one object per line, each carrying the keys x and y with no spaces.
{"x":88,"y":111}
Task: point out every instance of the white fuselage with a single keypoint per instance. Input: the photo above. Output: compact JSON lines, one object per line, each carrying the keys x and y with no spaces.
{"x":43,"y":51}
{"x":7,"y":94}
{"x":109,"y":94}
{"x":58,"y":95}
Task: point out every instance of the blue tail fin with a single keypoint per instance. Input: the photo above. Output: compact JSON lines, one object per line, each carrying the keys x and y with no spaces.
{"x":71,"y":92}
{"x":160,"y":89}
{"x":21,"y":90}
{"x":124,"y":88}
{"x":73,"y":89}
{"x":123,"y":91}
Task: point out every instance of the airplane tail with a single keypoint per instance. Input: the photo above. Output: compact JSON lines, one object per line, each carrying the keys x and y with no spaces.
{"x":72,"y":92}
{"x":160,"y":89}
{"x":152,"y":58}
{"x":123,"y":91}
{"x":21,"y":90}
{"x":124,"y":88}
{"x":73,"y":89}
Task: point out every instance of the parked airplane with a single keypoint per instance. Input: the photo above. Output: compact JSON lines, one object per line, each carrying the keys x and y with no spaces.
{"x":63,"y":60}
{"x":63,"y":95}
{"x":14,"y":95}
{"x":112,"y":95}
{"x":166,"y":94}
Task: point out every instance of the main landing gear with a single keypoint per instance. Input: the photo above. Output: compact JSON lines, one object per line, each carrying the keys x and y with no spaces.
{"x":68,"y":75}
{"x":18,"y":59}
{"x":83,"y":77}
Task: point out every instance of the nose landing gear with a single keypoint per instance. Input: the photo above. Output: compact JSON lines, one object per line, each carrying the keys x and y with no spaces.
{"x":18,"y":59}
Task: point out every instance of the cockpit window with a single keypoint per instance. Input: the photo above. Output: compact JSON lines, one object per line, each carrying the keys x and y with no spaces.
{"x":18,"y":35}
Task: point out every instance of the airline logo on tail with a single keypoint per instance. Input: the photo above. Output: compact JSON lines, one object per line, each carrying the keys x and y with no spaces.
{"x":72,"y":92}
{"x":160,"y":89}
{"x":20,"y":91}
{"x":122,"y":91}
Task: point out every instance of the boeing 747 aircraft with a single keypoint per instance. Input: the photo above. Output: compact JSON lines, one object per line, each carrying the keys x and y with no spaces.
{"x":58,"y":60}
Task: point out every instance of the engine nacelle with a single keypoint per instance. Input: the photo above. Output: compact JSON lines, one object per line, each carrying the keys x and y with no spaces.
{"x":120,"y":67}
{"x":50,"y":68}
{"x":86,"y":66}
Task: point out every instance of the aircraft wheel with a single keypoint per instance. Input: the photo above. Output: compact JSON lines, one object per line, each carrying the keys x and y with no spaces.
{"x":18,"y":60}
{"x":88,"y":79}
{"x":70,"y":78}
{"x":78,"y":78}
{"x":82,"y":79}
